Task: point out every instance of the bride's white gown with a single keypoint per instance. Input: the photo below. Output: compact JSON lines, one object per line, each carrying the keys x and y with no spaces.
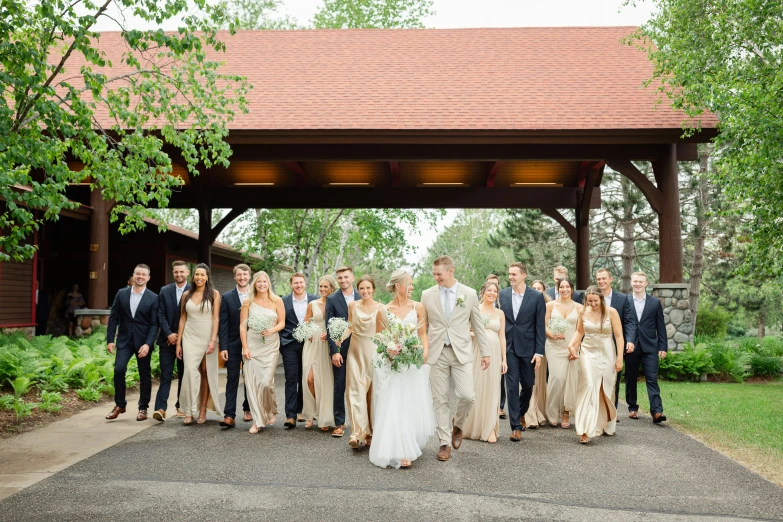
{"x":404,"y":418}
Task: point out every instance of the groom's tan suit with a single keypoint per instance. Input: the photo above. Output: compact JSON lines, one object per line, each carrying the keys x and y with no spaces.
{"x":451,"y":350}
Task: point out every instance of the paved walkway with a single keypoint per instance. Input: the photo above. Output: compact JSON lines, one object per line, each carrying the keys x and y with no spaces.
{"x":176,"y":472}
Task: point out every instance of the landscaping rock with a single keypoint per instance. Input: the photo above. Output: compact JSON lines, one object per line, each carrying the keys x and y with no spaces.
{"x":683,"y":304}
{"x":686,"y":328}
{"x":676,"y":317}
{"x":670,"y":330}
{"x":681,"y":337}
{"x":666,"y":293}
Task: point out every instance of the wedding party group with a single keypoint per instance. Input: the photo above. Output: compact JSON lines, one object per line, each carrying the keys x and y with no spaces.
{"x":386,"y":370}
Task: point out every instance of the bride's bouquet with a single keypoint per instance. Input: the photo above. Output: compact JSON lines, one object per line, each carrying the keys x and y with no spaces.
{"x":259,"y":323}
{"x":558,"y":325}
{"x":337,"y":327}
{"x":398,"y":346}
{"x":306,"y":330}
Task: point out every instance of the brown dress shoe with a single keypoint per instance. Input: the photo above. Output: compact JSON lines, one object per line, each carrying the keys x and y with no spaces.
{"x":290,"y":423}
{"x":633,"y":415}
{"x":444,"y":453}
{"x":248,"y":417}
{"x":142,"y":416}
{"x":115,"y":413}
{"x":228,"y":422}
{"x":300,"y":417}
{"x":516,"y":435}
{"x":658,"y":418}
{"x":159,"y":415}
{"x":339,"y":431}
{"x":456,"y":437}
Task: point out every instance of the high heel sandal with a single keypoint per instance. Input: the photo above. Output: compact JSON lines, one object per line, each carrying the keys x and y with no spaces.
{"x":202,"y":420}
{"x":254,"y":429}
{"x":188,"y":421}
{"x":405,"y":464}
{"x":584,"y":439}
{"x":565,"y":424}
{"x":308,"y":424}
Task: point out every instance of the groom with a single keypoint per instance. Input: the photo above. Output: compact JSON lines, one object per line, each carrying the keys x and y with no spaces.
{"x":452,"y":309}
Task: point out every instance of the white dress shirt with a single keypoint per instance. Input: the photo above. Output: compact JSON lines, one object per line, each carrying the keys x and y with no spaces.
{"x":639,"y":305}
{"x":348,"y":297}
{"x":300,"y":307}
{"x":607,"y":299}
{"x":180,"y":291}
{"x":448,"y":299}
{"x":135,"y":299}
{"x":516,"y":300}
{"x":243,"y":296}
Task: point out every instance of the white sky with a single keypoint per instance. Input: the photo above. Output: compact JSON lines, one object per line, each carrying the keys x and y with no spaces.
{"x":493,"y":13}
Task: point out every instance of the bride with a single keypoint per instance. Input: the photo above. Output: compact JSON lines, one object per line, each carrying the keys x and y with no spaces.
{"x":404,"y":417}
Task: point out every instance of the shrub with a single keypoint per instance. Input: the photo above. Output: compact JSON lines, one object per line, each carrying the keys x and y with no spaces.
{"x":7,"y":402}
{"x":50,"y":402}
{"x":689,"y":364}
{"x":23,"y":409}
{"x":21,"y":386}
{"x":713,"y":322}
{"x":766,"y":365}
{"x":729,"y":361}
{"x":89,"y":394}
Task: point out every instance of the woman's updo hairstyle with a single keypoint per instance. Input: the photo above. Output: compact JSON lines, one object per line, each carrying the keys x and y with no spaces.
{"x":398,"y":277}
{"x":368,"y":278}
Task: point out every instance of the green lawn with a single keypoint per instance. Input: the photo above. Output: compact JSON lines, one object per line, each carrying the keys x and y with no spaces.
{"x":742,"y":420}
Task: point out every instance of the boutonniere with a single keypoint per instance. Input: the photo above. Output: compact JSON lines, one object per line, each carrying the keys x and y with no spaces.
{"x":461,"y":300}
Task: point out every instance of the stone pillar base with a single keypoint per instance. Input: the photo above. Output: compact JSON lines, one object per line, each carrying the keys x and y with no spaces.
{"x":87,"y":319}
{"x":677,"y":315}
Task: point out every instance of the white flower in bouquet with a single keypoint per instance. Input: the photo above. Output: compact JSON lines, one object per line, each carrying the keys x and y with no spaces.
{"x":337,"y":327}
{"x":259,"y":323}
{"x":558,"y":325}
{"x":306,"y":330}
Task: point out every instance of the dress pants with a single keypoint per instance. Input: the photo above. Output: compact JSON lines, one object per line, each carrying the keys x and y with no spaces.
{"x":339,"y":385}
{"x":168,"y":356}
{"x":233,"y":369}
{"x":502,"y":392}
{"x":448,"y":365}
{"x":292,"y":367}
{"x":649,"y":362}
{"x":124,"y":355}
{"x":521,"y":370}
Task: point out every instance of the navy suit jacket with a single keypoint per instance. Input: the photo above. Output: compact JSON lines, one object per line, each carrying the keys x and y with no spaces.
{"x":291,"y":321}
{"x":625,"y":310}
{"x":576,"y":297}
{"x":136,"y":331}
{"x":228,"y":328}
{"x":169,"y":312}
{"x":336,"y":307}
{"x":650,"y":330}
{"x":525,"y":335}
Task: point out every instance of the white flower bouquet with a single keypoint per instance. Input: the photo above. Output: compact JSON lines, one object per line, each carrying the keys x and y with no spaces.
{"x":306,"y":330}
{"x":398,"y":346}
{"x":558,"y":325}
{"x":259,"y":323}
{"x":337,"y":327}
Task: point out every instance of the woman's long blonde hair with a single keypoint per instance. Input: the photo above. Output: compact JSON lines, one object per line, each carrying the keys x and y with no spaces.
{"x":398,"y":277}
{"x":253,"y":292}
{"x":594,"y":290}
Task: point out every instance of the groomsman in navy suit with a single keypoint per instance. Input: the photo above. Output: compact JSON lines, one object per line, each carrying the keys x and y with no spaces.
{"x":559,"y":274}
{"x":525,"y":310}
{"x":168,"y":321}
{"x":295,"y":305}
{"x":621,"y":303}
{"x":231,"y":344}
{"x":337,"y":306}
{"x":133,"y":322}
{"x":651,"y":345}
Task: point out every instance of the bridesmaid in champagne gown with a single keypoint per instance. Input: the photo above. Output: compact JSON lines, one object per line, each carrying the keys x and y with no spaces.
{"x":198,"y":328}
{"x":365,"y":321}
{"x":536,"y":412}
{"x":600,"y":361}
{"x":318,"y":378}
{"x":563,"y":369}
{"x":483,"y":422}
{"x":260,"y":350}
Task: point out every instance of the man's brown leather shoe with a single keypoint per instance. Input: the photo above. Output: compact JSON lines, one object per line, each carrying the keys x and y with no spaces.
{"x":633,"y":415}
{"x":228,"y":422}
{"x":159,"y":415}
{"x":339,"y":431}
{"x":248,"y":417}
{"x":290,"y":423}
{"x":142,"y":416}
{"x":456,"y":437}
{"x":516,"y":435}
{"x":115,"y":413}
{"x":658,"y":418}
{"x":444,"y":453}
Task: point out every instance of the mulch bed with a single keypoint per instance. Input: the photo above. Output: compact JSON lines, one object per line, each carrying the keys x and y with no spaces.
{"x":71,"y":405}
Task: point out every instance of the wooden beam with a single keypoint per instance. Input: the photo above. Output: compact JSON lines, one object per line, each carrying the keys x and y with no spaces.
{"x":669,"y":221}
{"x":385,"y":197}
{"x":592,"y":181}
{"x":225,"y":221}
{"x":394,"y":170}
{"x":561,"y":219}
{"x":297,"y":169}
{"x":650,"y":191}
{"x":493,"y":171}
{"x":582,"y":252}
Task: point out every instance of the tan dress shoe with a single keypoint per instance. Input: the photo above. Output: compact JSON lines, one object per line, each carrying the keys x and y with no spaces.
{"x":290,"y":423}
{"x":247,"y":417}
{"x":142,"y":416}
{"x":516,"y":435}
{"x":228,"y":422}
{"x":339,"y":431}
{"x":159,"y":415}
{"x":456,"y":437}
{"x":444,"y":453}
{"x":115,"y":413}
{"x":633,"y":415}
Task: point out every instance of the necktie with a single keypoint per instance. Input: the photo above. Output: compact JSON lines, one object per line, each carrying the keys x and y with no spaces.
{"x":449,"y":306}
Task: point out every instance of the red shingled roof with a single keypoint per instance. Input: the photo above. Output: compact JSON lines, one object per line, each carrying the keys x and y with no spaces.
{"x":561,"y":78}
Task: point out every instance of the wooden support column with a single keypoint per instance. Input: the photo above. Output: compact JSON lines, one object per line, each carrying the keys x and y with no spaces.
{"x":205,"y":234}
{"x":98,"y":288}
{"x":669,"y":222}
{"x":582,"y":251}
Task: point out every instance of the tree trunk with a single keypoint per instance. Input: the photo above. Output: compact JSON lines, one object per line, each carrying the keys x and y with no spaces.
{"x":762,"y":320}
{"x":326,"y":227}
{"x":702,"y":204}
{"x":347,"y":224}
{"x":628,"y":239}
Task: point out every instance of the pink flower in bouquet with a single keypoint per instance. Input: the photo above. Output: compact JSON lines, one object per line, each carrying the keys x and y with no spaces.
{"x":393,"y":350}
